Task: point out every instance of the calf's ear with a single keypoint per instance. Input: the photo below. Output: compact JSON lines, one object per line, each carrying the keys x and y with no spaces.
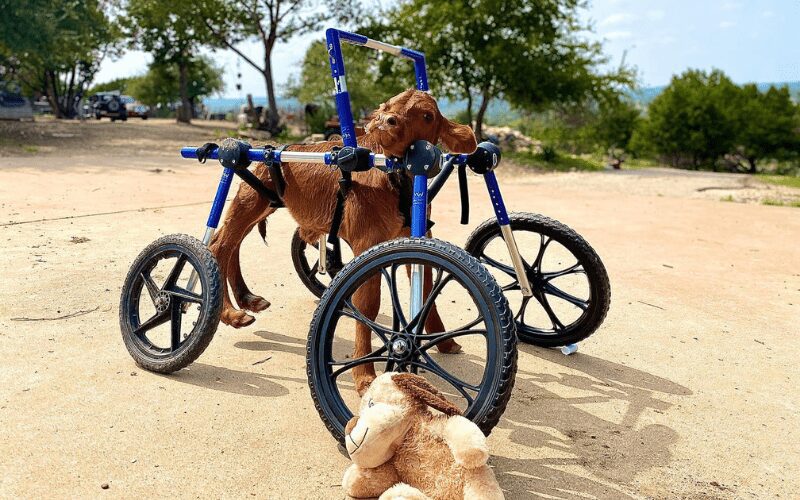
{"x":458,"y":138}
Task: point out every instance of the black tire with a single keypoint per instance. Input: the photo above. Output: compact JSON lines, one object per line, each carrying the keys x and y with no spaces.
{"x":145,"y":352}
{"x":597,"y":284}
{"x":306,"y":271}
{"x":497,"y":375}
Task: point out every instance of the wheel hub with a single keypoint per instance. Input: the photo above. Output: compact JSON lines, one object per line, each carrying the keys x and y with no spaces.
{"x":401,"y":347}
{"x":162,"y":301}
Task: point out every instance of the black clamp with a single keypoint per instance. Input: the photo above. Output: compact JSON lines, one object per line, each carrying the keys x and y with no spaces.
{"x":204,"y":151}
{"x":351,"y":159}
{"x":234,"y":154}
{"x":423,"y":158}
{"x":485,"y":158}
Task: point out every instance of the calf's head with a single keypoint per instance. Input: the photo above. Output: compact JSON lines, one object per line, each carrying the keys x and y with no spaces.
{"x":414,"y":115}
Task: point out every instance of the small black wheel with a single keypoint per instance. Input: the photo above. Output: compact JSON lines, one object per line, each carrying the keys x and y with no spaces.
{"x":478,"y":379}
{"x":153,"y":318}
{"x":304,"y":254}
{"x":569,"y":282}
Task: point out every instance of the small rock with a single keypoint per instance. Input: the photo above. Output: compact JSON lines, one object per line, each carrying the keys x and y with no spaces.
{"x":104,"y":486}
{"x":79,"y":239}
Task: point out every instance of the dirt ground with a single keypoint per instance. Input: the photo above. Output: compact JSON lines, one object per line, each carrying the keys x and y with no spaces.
{"x":687,"y":390}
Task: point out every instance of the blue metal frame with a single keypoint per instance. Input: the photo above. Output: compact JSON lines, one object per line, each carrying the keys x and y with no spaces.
{"x":334,"y":37}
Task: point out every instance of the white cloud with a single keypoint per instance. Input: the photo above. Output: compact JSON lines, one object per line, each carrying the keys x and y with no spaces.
{"x":731,"y":6}
{"x":618,"y":18}
{"x":727,"y":24}
{"x":618,"y":35}
{"x":656,"y":15}
{"x":767,"y":14}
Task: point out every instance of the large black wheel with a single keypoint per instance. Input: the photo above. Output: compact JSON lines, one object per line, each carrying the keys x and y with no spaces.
{"x":571,"y":292}
{"x":305,"y":258}
{"x":479,"y":378}
{"x":166,"y":327}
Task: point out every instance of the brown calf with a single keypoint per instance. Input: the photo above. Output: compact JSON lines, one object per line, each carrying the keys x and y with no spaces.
{"x":371,"y":214}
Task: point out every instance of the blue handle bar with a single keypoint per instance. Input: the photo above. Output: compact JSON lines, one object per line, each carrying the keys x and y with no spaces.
{"x":260,"y":155}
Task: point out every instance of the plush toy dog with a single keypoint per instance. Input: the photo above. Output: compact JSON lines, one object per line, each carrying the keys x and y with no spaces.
{"x":400,"y":450}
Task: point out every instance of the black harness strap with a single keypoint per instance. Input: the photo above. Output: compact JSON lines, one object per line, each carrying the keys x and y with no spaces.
{"x":276,"y":173}
{"x":463,"y":189}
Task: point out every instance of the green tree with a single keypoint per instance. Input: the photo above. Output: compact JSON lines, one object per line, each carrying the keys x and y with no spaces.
{"x":366,"y":83}
{"x":269,"y":22}
{"x":768,"y":125}
{"x":55,"y":46}
{"x":693,"y":121}
{"x":121,"y":84}
{"x":160,"y":86}
{"x":528,"y":51}
{"x":172,"y":33}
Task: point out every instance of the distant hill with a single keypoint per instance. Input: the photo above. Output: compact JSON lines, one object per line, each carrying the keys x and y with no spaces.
{"x":645,"y":95}
{"x":498,"y":111}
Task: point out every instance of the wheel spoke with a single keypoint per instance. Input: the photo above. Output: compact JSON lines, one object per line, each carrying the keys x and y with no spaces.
{"x":352,"y":312}
{"x":520,"y":316}
{"x":314,"y":268}
{"x":175,"y":273}
{"x":573,"y":269}
{"x":437,"y":338}
{"x":435,"y":368}
{"x":511,"y":286}
{"x":184,"y":295}
{"x":152,"y":288}
{"x":175,"y":324}
{"x":561,"y":294}
{"x":418,"y":323}
{"x":537,"y":264}
{"x":509,"y":270}
{"x":557,"y":325}
{"x":397,"y":307}
{"x":372,"y":357}
{"x":157,"y":320}
{"x":469,"y":325}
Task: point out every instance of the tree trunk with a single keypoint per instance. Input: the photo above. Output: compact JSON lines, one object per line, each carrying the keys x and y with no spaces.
{"x":271,"y":118}
{"x":185,"y":111}
{"x":485,"y":98}
{"x":469,"y":108}
{"x":752,"y":162}
{"x":52,"y":93}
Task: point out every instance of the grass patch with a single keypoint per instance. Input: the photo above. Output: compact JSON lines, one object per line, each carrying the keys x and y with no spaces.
{"x":30,"y":149}
{"x":781,"y":180}
{"x":727,"y":198}
{"x":780,"y":203}
{"x":560,"y":163}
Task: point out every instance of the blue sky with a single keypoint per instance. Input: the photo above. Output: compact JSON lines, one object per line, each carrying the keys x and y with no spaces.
{"x":752,"y":41}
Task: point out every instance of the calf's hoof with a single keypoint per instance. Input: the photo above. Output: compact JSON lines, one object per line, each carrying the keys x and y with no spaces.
{"x":449,"y":346}
{"x":236,"y":319}
{"x":253,"y":303}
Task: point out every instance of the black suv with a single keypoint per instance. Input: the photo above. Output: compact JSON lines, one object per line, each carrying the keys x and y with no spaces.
{"x":109,"y":104}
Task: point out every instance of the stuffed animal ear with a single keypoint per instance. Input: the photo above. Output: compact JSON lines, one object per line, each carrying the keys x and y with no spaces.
{"x":424,"y":392}
{"x":458,"y":138}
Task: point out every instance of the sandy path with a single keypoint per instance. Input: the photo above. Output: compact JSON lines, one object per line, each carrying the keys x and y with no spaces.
{"x":687,"y":389}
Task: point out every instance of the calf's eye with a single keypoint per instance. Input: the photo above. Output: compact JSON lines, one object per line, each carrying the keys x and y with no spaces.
{"x":428,"y":117}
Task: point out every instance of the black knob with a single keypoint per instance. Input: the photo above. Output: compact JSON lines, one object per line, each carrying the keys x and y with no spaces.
{"x":485,"y":159}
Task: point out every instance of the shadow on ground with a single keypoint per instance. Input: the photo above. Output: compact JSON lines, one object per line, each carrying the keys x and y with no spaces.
{"x":555,"y":415}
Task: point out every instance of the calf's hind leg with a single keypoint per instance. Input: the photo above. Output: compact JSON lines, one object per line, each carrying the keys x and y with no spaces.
{"x":244,"y":297}
{"x":244,"y":213}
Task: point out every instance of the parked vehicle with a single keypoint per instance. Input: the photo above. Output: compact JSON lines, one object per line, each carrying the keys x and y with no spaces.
{"x":109,"y":104}
{"x":135,"y":108}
